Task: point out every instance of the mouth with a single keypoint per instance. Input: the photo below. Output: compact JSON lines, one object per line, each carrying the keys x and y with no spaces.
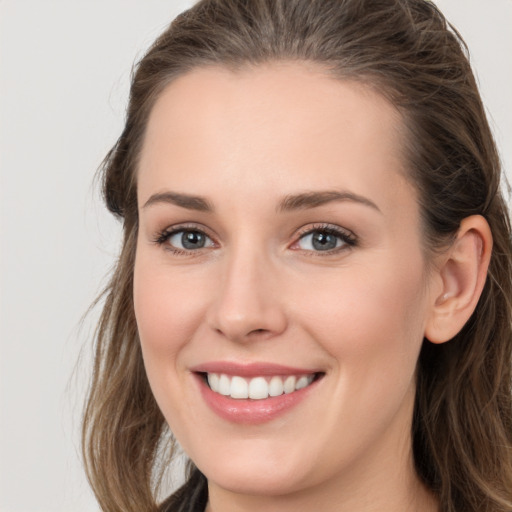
{"x":254,"y":393}
{"x":259,"y":387}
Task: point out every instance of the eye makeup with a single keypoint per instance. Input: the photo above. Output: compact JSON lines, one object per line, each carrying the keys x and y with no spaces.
{"x":320,"y":239}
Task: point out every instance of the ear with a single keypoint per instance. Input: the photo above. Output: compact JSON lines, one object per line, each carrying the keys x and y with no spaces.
{"x":461,"y":272}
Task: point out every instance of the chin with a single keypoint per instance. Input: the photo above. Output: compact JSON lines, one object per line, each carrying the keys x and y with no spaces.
{"x":254,"y":467}
{"x":256,"y":480}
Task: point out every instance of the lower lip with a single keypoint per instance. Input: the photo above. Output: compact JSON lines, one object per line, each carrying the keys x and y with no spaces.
{"x":251,"y":412}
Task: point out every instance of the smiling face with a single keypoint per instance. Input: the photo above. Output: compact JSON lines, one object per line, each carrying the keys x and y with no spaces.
{"x":280,"y":246}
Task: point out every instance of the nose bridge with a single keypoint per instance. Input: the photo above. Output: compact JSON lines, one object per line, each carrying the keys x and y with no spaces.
{"x":247,"y":301}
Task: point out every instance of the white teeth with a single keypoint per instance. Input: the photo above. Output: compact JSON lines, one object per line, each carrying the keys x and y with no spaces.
{"x":224,"y":385}
{"x":213,"y":381}
{"x":275,"y":387}
{"x":257,"y":388}
{"x":239,"y":388}
{"x":302,"y":382}
{"x":289,"y":384}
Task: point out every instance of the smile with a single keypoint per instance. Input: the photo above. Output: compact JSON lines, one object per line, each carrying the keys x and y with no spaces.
{"x":257,"y":388}
{"x":254,"y":393}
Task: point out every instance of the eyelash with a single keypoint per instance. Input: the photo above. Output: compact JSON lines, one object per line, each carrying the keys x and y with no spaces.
{"x":164,"y":236}
{"x":347,"y":238}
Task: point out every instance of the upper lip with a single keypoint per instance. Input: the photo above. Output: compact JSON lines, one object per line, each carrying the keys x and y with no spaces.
{"x":250,"y":369}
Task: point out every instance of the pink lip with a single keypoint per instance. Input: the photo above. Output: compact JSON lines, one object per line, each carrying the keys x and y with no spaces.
{"x":247,"y":411}
{"x":251,"y":369}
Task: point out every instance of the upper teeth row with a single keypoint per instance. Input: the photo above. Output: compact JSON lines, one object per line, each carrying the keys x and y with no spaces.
{"x":256,"y":388}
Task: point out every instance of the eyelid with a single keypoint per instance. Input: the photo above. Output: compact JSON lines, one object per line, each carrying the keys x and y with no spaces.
{"x":348,"y":238}
{"x":162,"y":237}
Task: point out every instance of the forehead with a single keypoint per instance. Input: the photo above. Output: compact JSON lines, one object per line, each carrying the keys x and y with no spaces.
{"x":270,"y":127}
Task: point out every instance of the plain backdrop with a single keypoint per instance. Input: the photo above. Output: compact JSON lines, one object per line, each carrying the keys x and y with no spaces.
{"x":64,"y":74}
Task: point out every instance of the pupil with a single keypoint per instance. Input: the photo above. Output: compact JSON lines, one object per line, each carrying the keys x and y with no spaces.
{"x":324,"y":241}
{"x":192,"y":240}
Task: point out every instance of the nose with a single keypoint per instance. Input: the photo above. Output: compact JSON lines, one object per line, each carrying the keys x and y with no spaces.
{"x":248,"y":304}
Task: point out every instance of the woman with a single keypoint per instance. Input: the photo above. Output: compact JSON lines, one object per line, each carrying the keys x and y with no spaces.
{"x":313,"y":293}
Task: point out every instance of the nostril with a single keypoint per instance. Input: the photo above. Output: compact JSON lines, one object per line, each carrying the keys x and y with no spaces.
{"x":259,"y":333}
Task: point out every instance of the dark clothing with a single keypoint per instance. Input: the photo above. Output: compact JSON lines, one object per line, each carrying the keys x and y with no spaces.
{"x":192,"y":496}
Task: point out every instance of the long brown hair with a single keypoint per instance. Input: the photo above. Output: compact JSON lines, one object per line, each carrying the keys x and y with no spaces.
{"x":462,"y":426}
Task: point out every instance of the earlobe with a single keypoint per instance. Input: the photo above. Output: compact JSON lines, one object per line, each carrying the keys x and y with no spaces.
{"x":462,"y":271}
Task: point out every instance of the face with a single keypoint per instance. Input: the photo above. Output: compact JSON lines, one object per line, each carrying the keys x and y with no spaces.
{"x":279,"y":257}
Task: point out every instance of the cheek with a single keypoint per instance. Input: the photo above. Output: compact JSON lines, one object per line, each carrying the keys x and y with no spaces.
{"x":370,"y":319}
{"x":371,"y":322}
{"x":166,"y":302}
{"x":168,"y":309}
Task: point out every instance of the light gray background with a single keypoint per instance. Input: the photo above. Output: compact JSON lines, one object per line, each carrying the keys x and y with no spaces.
{"x":64,"y":72}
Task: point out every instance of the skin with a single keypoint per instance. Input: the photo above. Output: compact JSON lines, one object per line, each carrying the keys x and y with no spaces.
{"x":259,"y":292}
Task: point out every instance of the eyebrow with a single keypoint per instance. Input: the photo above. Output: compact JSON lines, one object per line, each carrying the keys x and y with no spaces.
{"x":292,"y":202}
{"x":187,"y":201}
{"x":313,"y":199}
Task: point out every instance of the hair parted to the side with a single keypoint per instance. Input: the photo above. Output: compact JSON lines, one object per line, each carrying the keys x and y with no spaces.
{"x":462,"y":427}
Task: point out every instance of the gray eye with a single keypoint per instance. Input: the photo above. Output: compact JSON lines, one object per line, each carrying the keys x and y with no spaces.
{"x":320,"y":241}
{"x":190,"y":240}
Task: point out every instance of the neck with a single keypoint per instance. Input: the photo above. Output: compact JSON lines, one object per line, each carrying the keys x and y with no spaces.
{"x":415,"y":499}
